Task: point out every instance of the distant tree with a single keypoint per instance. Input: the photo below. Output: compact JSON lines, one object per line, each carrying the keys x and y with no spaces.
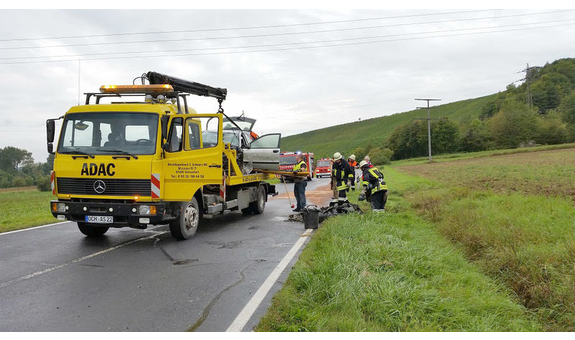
{"x":11,"y":158}
{"x":548,"y":90}
{"x":380,"y":156}
{"x":514,"y":124}
{"x":444,"y":136}
{"x":475,"y":136}
{"x":551,"y":129}
{"x":489,"y":110}
{"x":567,"y":108}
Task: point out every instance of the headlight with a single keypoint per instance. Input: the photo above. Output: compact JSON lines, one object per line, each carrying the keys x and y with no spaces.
{"x":58,"y":207}
{"x":144,"y":210}
{"x":147,"y":210}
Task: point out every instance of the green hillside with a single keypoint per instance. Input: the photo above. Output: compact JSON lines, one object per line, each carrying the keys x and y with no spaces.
{"x":325,"y":142}
{"x":541,"y":114}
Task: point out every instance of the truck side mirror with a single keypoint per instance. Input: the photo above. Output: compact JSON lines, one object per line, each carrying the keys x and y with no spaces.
{"x":50,"y":130}
{"x":165,"y":121}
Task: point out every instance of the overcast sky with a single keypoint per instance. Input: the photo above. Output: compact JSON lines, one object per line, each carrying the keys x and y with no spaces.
{"x":289,"y":76}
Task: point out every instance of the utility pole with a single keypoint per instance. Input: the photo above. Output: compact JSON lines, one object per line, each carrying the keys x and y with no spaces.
{"x":428,"y":122}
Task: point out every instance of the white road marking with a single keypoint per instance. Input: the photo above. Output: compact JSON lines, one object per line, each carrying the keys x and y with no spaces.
{"x":242,"y":319}
{"x":41,"y":272}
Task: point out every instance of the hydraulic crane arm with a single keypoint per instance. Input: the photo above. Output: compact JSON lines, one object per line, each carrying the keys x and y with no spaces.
{"x":187,"y":86}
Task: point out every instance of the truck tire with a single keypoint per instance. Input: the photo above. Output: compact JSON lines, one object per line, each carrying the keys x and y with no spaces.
{"x":258,"y":206}
{"x":91,"y":230}
{"x":186,"y":224}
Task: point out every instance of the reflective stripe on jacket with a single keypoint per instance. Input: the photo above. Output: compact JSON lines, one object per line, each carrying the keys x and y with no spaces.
{"x":374,"y":177}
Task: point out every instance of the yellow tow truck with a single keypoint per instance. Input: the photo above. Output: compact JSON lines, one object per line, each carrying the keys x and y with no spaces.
{"x":153,"y":160}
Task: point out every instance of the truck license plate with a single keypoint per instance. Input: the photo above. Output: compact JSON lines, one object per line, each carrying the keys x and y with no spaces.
{"x":100,"y":219}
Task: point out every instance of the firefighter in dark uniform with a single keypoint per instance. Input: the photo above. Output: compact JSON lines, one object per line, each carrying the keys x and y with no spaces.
{"x":342,"y":175}
{"x":374,"y":187}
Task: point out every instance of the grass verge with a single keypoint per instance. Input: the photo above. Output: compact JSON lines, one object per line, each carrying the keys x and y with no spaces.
{"x":24,"y":209}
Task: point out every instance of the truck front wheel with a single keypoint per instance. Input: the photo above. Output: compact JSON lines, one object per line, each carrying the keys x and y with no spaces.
{"x":91,"y":230}
{"x":185,"y":226}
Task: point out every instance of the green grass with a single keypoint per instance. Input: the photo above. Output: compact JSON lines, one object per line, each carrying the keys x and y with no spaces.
{"x":516,"y":233}
{"x":548,"y":172}
{"x":390,"y":272}
{"x":24,"y":209}
{"x":513,"y":216}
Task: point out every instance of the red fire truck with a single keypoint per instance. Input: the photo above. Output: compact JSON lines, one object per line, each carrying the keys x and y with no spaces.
{"x":323,"y":168}
{"x":287,"y":162}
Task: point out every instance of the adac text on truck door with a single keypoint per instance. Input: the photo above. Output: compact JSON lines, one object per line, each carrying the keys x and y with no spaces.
{"x":136,"y":155}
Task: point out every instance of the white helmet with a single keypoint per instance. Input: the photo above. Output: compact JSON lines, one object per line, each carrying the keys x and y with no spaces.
{"x":336,"y":156}
{"x":362,"y":164}
{"x":352,"y":157}
{"x":366,"y":158}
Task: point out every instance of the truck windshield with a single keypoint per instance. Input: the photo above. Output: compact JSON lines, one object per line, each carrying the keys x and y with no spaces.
{"x":287,"y":160}
{"x":321,"y":164}
{"x":106,"y":133}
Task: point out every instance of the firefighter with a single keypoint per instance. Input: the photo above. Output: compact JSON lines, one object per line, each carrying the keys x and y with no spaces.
{"x":299,"y":183}
{"x":342,"y":175}
{"x":374,"y":187}
{"x":368,"y":161}
{"x":353,"y":165}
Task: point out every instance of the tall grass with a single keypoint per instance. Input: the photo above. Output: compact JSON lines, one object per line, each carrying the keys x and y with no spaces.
{"x":524,"y":240}
{"x":390,"y":272}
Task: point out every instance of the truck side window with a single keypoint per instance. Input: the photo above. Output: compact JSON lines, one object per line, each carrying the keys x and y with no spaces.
{"x":175,"y":135}
{"x":202,"y":132}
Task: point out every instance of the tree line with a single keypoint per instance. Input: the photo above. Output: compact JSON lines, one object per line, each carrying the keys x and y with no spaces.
{"x":18,"y":169}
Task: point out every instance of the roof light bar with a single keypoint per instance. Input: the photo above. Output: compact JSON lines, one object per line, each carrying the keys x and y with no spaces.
{"x":158,"y":88}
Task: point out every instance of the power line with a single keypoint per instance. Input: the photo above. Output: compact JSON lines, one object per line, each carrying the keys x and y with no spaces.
{"x":272,"y":34}
{"x":249,"y":27}
{"x":337,"y":42}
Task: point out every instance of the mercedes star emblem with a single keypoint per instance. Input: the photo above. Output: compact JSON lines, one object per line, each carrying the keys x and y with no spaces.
{"x":99,"y":186}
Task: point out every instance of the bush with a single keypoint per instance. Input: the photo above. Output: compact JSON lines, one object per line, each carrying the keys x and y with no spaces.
{"x":22,"y":181}
{"x":44,"y":184}
{"x":380,"y":156}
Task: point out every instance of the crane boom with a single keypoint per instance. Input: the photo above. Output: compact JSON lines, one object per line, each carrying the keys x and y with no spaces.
{"x":187,"y":86}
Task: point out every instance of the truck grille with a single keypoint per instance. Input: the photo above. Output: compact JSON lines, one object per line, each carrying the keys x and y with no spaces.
{"x":112,"y":187}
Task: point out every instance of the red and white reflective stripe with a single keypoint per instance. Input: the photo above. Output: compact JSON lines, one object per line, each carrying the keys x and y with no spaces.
{"x":223,"y":189}
{"x":52,"y":182}
{"x":155,"y":185}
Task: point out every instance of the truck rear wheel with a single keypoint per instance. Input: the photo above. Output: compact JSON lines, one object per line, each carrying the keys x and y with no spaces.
{"x":91,"y":230}
{"x":185,"y":226}
{"x":258,"y":206}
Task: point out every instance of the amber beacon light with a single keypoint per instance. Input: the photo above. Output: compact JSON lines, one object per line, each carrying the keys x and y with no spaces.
{"x":159,"y":88}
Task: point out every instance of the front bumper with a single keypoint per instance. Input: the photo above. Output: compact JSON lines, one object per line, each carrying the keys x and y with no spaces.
{"x":123,"y":213}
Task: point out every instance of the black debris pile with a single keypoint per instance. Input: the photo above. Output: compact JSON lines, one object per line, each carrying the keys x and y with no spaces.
{"x":332,"y":210}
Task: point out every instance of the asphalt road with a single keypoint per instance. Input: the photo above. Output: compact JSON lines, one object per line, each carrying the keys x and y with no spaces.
{"x":56,"y":279}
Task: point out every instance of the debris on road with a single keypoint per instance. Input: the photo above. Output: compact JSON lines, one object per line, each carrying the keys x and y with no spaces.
{"x":325,"y":212}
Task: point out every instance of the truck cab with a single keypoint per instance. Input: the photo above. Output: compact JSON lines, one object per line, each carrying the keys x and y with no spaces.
{"x":154,"y":161}
{"x":323,"y":168}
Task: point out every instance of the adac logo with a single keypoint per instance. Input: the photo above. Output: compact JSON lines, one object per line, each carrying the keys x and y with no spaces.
{"x":99,"y":186}
{"x":94,"y":169}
